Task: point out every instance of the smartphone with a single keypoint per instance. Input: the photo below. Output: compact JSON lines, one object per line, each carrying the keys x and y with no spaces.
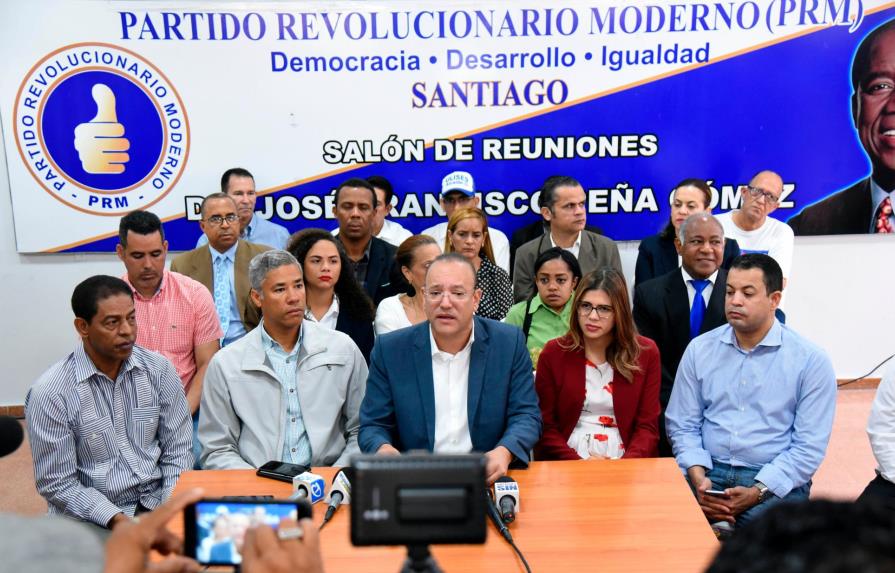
{"x":716,"y":492}
{"x":281,"y":470}
{"x":214,"y":529}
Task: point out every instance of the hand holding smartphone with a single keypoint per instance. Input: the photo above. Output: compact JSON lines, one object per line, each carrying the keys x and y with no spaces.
{"x":214,"y":529}
{"x":716,"y":492}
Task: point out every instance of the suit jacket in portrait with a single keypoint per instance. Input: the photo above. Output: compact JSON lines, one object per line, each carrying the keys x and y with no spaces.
{"x":662,"y":313}
{"x":359,"y":330}
{"x":847,"y":212}
{"x":533,"y":231}
{"x":196,"y":264}
{"x":596,"y":251}
{"x":379,"y":270}
{"x":657,"y":256}
{"x":561,"y":391}
{"x":502,"y":407}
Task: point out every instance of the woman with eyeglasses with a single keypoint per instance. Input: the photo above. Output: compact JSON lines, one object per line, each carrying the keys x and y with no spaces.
{"x":467,"y":234}
{"x":657,"y":254}
{"x":545,"y":315}
{"x":414,"y":256}
{"x":333,"y":297}
{"x":598,"y":385}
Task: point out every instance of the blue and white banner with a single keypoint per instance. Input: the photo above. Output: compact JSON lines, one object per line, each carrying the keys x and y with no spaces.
{"x":109,"y":107}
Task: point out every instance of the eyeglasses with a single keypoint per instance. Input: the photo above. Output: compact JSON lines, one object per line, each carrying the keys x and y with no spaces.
{"x":436,"y":295}
{"x":217,"y":220}
{"x":603,"y":311}
{"x":758,"y":192}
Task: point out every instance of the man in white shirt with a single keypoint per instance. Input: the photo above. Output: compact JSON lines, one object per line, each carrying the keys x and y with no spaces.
{"x":458,"y":192}
{"x":751,"y":227}
{"x":454,"y":384}
{"x":881,"y":430}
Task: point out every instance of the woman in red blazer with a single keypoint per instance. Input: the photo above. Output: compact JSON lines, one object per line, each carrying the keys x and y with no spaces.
{"x":599,"y":384}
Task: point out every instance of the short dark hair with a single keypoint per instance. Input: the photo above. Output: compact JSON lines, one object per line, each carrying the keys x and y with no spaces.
{"x":213,"y":197}
{"x":238,"y":172}
{"x":141,"y":223}
{"x":356,"y":182}
{"x":773,"y":275}
{"x":548,"y":189}
{"x":85,"y":299}
{"x":816,"y":535}
{"x":380,"y":182}
{"x":558,"y":253}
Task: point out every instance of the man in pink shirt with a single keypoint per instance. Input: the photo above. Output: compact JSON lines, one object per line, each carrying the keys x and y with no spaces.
{"x":175,"y":314}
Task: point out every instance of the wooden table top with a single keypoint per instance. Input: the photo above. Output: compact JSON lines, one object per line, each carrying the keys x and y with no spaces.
{"x":623,"y":515}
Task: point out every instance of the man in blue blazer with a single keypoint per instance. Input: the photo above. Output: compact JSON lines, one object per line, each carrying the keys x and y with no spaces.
{"x":454,"y":384}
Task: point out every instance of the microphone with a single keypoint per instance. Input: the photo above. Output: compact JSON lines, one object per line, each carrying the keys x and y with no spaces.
{"x":308,"y":485}
{"x":506,"y":493}
{"x":11,"y":435}
{"x":496,"y":519}
{"x":339,"y":493}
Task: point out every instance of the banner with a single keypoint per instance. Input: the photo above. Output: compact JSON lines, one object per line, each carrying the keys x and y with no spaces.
{"x":111,"y":107}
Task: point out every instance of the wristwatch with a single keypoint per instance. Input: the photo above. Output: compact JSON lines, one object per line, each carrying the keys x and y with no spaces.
{"x":763,"y":491}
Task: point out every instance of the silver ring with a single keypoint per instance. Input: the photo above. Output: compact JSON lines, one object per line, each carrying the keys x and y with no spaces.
{"x":288,"y":533}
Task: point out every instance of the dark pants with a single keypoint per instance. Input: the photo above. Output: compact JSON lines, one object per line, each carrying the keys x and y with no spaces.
{"x":880,"y":491}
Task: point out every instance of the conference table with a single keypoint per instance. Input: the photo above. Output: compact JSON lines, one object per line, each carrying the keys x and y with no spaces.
{"x":609,"y":515}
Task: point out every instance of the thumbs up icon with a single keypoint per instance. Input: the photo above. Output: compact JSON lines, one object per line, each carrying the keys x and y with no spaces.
{"x":100,"y":142}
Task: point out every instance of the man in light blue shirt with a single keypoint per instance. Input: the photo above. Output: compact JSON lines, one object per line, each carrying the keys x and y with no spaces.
{"x":239,"y":184}
{"x":752,"y":406}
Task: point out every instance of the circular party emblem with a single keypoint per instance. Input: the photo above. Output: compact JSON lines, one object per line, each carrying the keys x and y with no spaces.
{"x":101,"y":129}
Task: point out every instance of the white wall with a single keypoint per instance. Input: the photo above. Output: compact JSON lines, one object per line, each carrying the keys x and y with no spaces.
{"x":838,"y":297}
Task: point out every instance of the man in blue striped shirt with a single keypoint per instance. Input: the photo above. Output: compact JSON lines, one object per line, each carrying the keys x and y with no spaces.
{"x":109,"y":425}
{"x":752,"y":406}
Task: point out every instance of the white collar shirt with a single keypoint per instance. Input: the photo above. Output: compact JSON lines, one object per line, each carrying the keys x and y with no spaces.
{"x":691,"y":290}
{"x":574,"y":249}
{"x":450,"y":378}
{"x":330,"y":317}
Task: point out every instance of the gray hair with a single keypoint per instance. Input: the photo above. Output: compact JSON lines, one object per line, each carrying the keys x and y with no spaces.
{"x":262,"y":263}
{"x":701,"y":216}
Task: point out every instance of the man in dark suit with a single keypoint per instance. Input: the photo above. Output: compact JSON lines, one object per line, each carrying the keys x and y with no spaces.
{"x":562,"y":204}
{"x":372,"y":259}
{"x":227,"y":258}
{"x":866,"y":206}
{"x":664,"y":306}
{"x":454,"y":384}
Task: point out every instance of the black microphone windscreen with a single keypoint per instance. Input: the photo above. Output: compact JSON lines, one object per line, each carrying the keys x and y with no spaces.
{"x":11,"y":435}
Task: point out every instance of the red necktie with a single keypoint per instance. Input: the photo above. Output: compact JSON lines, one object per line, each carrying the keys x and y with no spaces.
{"x":883,"y":224}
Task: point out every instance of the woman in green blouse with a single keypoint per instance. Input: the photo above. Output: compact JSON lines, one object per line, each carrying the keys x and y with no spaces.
{"x":545,"y":316}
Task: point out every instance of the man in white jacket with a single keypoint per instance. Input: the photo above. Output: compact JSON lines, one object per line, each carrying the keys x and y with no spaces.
{"x":289,"y":390}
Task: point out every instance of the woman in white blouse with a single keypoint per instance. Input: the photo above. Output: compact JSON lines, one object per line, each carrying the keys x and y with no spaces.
{"x":333,"y":297}
{"x":414,"y":256}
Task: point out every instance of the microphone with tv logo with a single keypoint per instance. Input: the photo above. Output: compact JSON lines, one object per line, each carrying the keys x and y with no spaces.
{"x":506,"y":497}
{"x":339,"y":493}
{"x":11,"y":435}
{"x":496,"y":519}
{"x":308,"y":485}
